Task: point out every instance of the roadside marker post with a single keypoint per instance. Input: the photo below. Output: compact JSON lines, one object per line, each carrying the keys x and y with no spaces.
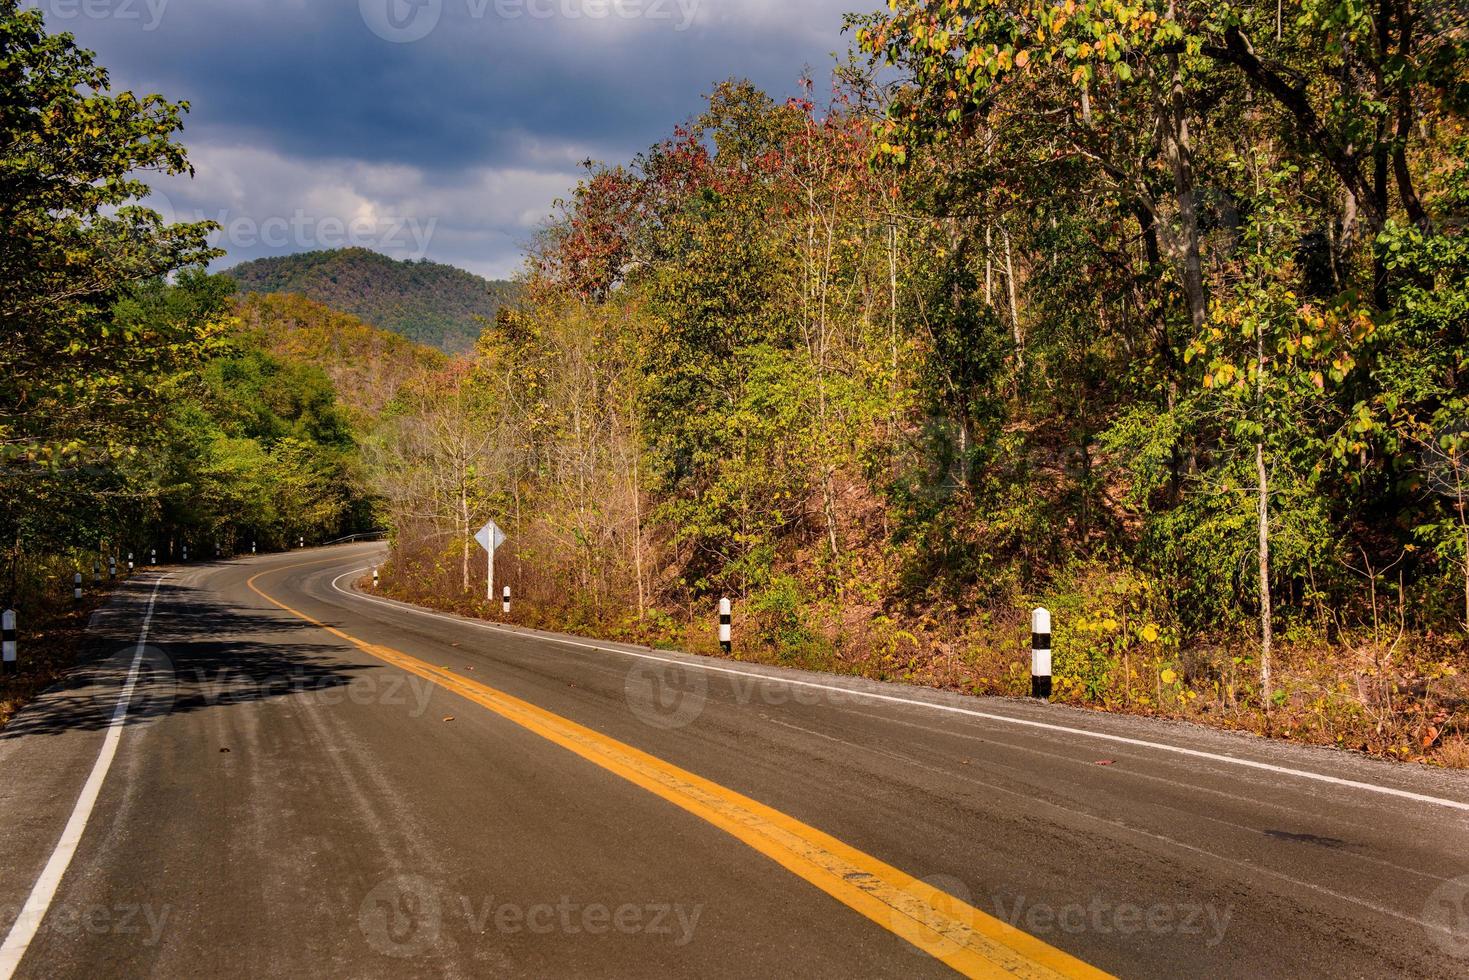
{"x":153,"y":557}
{"x":303,"y":542}
{"x":130,"y":563}
{"x":76,"y":588}
{"x":186,"y":554}
{"x":7,"y":658}
{"x":112,"y":569}
{"x":252,"y":547}
{"x":726,"y":642}
{"x":96,"y":573}
{"x":1040,"y":654}
{"x":374,"y":578}
{"x":505,"y":601}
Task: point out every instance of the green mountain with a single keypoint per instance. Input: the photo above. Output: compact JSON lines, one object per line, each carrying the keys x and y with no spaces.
{"x":433,"y":304}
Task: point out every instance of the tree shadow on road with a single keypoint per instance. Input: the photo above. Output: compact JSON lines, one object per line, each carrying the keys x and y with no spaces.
{"x":201,"y":654}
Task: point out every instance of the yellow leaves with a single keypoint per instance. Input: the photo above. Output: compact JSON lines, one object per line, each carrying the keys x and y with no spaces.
{"x":1149,"y":633}
{"x":1022,"y":58}
{"x":1168,"y":676}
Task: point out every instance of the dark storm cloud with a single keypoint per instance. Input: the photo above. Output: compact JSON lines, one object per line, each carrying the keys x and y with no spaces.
{"x":363,"y":108}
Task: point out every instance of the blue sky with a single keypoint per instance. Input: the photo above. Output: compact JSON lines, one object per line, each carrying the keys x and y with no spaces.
{"x":437,"y":128}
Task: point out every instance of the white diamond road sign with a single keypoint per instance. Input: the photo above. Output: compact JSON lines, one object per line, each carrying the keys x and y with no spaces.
{"x":490,"y":537}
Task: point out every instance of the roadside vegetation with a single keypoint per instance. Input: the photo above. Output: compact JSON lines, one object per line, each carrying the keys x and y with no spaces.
{"x":1153,"y":313}
{"x":141,"y":407}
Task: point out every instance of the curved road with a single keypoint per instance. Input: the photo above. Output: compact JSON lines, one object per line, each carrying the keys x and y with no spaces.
{"x":305,"y":779}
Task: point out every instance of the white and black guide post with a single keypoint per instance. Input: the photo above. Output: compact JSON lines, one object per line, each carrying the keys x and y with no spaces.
{"x":490,"y":538}
{"x":726,"y":642}
{"x":505,"y":601}
{"x":252,"y":547}
{"x":7,"y":658}
{"x":186,"y":554}
{"x":302,"y":542}
{"x":153,"y":557}
{"x":130,"y":563}
{"x":1040,"y":654}
{"x":374,"y":578}
{"x":76,"y":588}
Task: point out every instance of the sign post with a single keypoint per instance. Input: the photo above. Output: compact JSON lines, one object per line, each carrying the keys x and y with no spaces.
{"x":490,"y":537}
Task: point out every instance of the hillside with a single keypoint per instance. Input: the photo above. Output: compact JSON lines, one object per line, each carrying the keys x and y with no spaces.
{"x":433,"y":304}
{"x":367,"y":365}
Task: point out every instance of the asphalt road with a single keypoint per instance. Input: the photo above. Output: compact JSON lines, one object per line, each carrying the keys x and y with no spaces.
{"x":312,"y":781}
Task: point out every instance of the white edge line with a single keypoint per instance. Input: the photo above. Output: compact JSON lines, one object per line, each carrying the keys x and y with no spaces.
{"x":951,"y":709}
{"x":28,"y":923}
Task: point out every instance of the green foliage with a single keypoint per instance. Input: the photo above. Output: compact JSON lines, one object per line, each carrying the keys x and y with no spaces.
{"x":780,"y":617}
{"x":91,"y":352}
{"x":134,"y":413}
{"x":1150,"y":311}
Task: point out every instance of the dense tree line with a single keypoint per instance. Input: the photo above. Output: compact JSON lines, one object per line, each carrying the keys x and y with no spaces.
{"x":1153,"y":311}
{"x":136,"y":412}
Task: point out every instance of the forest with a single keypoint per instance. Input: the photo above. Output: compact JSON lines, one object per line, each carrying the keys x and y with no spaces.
{"x":427,"y":302}
{"x":1152,"y":313}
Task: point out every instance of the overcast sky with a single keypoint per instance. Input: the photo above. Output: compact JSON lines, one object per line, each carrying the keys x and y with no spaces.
{"x":437,"y":128}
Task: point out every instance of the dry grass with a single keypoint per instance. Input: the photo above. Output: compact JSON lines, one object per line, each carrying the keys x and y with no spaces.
{"x":1408,"y":701}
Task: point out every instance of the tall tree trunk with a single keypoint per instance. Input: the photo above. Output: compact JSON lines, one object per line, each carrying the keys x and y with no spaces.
{"x":1381,"y":158}
{"x":1014,"y":302}
{"x":989,"y":266}
{"x":464,"y":532}
{"x":1181,"y":152}
{"x":637,"y":494}
{"x":1406,"y":191}
{"x":1188,"y":217}
{"x":1267,"y":636}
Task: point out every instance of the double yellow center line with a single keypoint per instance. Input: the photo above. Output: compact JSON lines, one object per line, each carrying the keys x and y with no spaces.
{"x":973,"y":943}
